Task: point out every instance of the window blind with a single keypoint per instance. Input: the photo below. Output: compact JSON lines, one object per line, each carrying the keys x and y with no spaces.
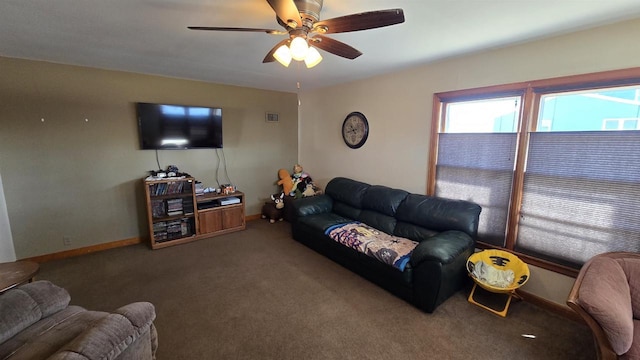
{"x":478,"y":167}
{"x":581,"y":195}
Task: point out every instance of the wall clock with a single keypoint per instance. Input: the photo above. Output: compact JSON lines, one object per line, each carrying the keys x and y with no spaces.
{"x":355,"y":130}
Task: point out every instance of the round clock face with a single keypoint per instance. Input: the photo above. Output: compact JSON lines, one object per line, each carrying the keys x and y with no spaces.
{"x":355,"y":130}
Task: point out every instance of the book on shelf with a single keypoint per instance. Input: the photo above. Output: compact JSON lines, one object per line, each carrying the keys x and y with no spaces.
{"x":185,"y":227}
{"x":179,"y":228}
{"x":170,"y":188}
{"x":187,"y":205}
{"x":170,"y":207}
{"x":174,"y":207}
{"x":160,"y":235}
{"x":158,"y":208}
{"x":159,"y":226}
{"x":172,"y":230}
{"x":162,"y":238}
{"x":174,"y":202}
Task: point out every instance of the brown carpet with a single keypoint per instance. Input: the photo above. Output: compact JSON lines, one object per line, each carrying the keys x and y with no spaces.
{"x":258,"y":294}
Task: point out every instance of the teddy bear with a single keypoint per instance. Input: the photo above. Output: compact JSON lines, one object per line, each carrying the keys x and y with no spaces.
{"x":286,"y":181}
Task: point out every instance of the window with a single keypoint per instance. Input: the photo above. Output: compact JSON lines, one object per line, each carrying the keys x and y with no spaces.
{"x":483,"y":116}
{"x":477,"y":164}
{"x":555,"y":167}
{"x":590,"y":110}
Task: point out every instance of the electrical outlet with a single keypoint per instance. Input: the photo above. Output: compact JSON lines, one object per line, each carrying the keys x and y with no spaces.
{"x":66,"y":240}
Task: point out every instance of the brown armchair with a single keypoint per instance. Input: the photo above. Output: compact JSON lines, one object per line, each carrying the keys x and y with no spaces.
{"x":37,"y":322}
{"x":606,"y":294}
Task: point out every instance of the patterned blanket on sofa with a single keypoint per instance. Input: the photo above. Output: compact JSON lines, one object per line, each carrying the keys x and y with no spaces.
{"x":389,"y":249}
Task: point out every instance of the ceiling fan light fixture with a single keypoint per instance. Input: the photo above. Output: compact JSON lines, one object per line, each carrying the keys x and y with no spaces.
{"x":283,"y":55}
{"x":313,"y":58}
{"x":299,"y":48}
{"x":301,"y":22}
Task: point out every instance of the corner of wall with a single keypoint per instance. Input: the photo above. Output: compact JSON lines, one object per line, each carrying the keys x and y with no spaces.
{"x":7,"y":251}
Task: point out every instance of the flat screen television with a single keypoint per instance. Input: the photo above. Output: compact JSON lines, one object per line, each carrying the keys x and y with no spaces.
{"x":167,"y":126}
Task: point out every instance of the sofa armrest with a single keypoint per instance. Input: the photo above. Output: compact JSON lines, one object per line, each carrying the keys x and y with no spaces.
{"x":312,"y":205}
{"x":110,"y":336}
{"x":443,"y":247}
{"x":439,"y":267}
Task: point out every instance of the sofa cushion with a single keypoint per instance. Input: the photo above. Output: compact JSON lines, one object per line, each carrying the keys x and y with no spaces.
{"x":346,"y":210}
{"x":75,"y":333}
{"x":27,"y":304}
{"x":605,"y":295}
{"x":322,"y":222}
{"x":310,"y":205}
{"x":46,"y":337}
{"x":379,"y":206}
{"x":413,"y":232}
{"x":440,"y":214}
{"x":382,"y":222}
{"x":19,"y":340}
{"x":347,"y":191}
{"x":110,"y":335}
{"x":383,"y":199}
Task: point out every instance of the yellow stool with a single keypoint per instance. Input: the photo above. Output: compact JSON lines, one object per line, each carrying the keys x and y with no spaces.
{"x":500,"y":260}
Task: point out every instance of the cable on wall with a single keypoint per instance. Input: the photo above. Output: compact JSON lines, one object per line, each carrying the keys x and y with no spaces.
{"x":158,"y":161}
{"x":217,"y":168}
{"x":224,"y":164}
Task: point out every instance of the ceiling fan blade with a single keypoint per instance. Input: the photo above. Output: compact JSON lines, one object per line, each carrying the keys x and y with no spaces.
{"x":361,"y":21}
{"x":334,"y":46}
{"x":287,"y":11}
{"x":269,"y":57}
{"x":213,"y":28}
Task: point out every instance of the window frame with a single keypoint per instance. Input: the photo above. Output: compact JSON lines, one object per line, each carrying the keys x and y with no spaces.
{"x":531,"y":93}
{"x":620,"y":124}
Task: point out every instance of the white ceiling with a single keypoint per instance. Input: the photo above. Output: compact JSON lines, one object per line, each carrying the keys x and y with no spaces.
{"x":151,"y":36}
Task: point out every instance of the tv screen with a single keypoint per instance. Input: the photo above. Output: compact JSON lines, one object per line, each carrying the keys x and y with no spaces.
{"x":166,"y":126}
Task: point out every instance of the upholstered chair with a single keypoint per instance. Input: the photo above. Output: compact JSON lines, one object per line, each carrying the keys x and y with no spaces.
{"x":606,"y":294}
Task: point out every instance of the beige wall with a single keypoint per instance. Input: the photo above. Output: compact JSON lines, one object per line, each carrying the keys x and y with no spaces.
{"x":398,"y":107}
{"x":82,"y":179}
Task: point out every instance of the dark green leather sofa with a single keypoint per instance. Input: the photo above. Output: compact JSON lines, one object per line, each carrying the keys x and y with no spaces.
{"x":445,"y":229}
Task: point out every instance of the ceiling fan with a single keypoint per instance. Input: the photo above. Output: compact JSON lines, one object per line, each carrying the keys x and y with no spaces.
{"x":301,"y":21}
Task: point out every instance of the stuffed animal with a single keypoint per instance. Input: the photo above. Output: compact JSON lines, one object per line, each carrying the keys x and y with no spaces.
{"x":286,"y":181}
{"x":301,"y":180}
{"x":272,"y":210}
{"x":309,"y":191}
